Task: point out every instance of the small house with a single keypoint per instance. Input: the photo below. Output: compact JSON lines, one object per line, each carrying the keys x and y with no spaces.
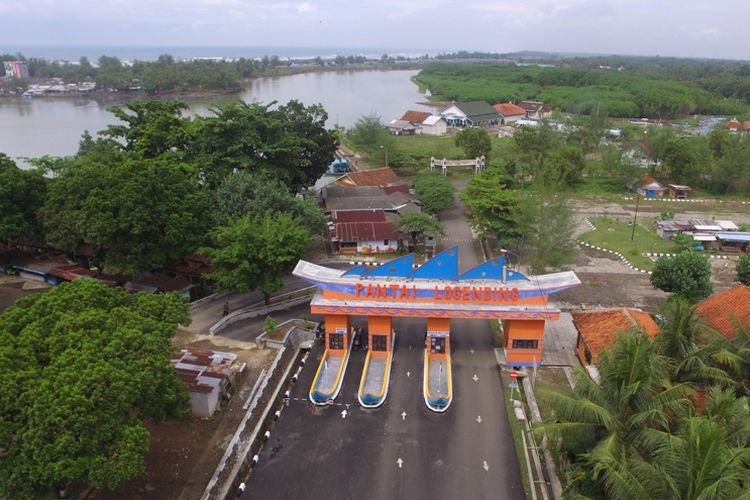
{"x":416,"y":118}
{"x":678,"y":191}
{"x":648,"y":187}
{"x":598,"y":329}
{"x":733,"y":241}
{"x":208,"y":376}
{"x":533,"y":109}
{"x":509,"y":112}
{"x":401,"y":127}
{"x":727,"y":311}
{"x":365,"y":237}
{"x":434,"y":125}
{"x":470,"y":114}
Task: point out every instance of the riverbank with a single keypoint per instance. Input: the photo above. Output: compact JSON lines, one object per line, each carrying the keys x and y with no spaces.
{"x":110,"y":96}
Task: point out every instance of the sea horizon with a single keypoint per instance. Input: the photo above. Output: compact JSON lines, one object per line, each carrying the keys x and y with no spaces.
{"x":152,"y":52}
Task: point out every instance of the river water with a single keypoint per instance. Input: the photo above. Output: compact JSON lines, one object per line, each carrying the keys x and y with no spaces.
{"x":32,"y":127}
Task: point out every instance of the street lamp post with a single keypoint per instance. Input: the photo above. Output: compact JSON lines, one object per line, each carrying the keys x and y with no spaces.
{"x":385,"y":148}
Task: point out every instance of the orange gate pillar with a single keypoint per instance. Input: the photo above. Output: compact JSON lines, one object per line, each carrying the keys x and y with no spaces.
{"x":524,"y":341}
{"x":438,"y":328}
{"x":380,"y":333}
{"x":338,"y":332}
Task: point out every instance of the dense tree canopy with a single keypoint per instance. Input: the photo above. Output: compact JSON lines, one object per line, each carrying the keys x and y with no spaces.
{"x":137,"y":213}
{"x":22,"y":194}
{"x":82,"y":366}
{"x":418,"y":225}
{"x":545,"y":221}
{"x":242,"y":193}
{"x":287,"y":142}
{"x":475,"y":142}
{"x":150,"y":128}
{"x":491,"y":207}
{"x":255,"y":253}
{"x":687,"y":274}
{"x":743,"y":270}
{"x":435,"y":192}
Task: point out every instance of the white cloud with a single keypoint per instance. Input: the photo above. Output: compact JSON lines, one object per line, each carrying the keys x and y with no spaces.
{"x":305,"y":8}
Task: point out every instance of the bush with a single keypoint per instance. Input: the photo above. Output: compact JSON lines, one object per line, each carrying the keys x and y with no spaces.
{"x":687,"y":275}
{"x":743,"y":270}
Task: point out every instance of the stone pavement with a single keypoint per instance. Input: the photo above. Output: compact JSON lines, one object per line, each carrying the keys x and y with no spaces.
{"x":560,"y":341}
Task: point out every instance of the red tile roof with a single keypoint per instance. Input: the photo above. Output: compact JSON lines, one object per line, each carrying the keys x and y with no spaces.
{"x":370,"y":215}
{"x":509,"y":109}
{"x":415,"y":116}
{"x":733,"y":124}
{"x":599,"y":328}
{"x":722,"y":310}
{"x":377,"y":177}
{"x":746,"y":125}
{"x":366,"y":231}
{"x":71,"y":272}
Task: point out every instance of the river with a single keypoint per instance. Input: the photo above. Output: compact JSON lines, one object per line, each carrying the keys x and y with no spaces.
{"x":32,"y":127}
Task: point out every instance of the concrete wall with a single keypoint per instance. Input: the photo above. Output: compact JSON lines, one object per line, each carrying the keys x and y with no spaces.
{"x":377,"y":246}
{"x":523,"y":330}
{"x":203,"y":404}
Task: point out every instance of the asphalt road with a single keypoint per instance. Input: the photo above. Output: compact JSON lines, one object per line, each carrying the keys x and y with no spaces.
{"x":464,"y":453}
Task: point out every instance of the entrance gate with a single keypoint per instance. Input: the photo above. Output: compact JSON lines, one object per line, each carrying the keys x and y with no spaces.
{"x":438,"y":292}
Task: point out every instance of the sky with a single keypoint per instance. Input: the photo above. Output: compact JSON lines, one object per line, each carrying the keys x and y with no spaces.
{"x":691,"y":28}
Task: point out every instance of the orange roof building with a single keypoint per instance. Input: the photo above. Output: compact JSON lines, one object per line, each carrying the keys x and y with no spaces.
{"x":724,"y":310}
{"x":508,"y":109}
{"x":598,"y":329}
{"x":415,"y":117}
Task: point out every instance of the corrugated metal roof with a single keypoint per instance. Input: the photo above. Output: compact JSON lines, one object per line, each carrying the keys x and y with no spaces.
{"x":370,"y":215}
{"x":365,"y":231}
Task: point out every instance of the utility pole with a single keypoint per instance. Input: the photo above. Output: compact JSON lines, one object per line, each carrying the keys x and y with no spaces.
{"x":635,"y":217}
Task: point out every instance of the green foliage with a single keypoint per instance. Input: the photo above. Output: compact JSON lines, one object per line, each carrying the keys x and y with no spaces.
{"x":686,"y":241}
{"x":417,"y":225}
{"x":608,"y":425}
{"x":137,"y":213}
{"x":563,"y":167}
{"x":370,"y":135}
{"x":269,"y":324}
{"x":654,"y":91}
{"x":255,"y":253}
{"x":22,"y":193}
{"x":687,"y":275}
{"x":151,"y":128}
{"x":475,"y":142}
{"x":743,"y":270}
{"x":684,"y":338}
{"x":547,"y":225}
{"x":491,"y":207}
{"x":288,"y":142}
{"x":435,"y":192}
{"x":83,"y":365}
{"x":243,"y":193}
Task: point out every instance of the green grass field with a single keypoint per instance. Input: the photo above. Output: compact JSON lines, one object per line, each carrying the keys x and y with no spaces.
{"x":616,"y":235}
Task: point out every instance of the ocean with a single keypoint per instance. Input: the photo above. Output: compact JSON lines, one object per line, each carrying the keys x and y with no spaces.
{"x":150,"y":53}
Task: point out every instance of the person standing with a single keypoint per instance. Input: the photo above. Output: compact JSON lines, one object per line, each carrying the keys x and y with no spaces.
{"x":226,"y":309}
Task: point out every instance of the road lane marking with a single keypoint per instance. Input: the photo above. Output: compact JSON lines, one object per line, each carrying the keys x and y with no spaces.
{"x":475,"y":377}
{"x":403,"y":416}
{"x":408,"y":374}
{"x":485,"y":466}
{"x":401,"y":462}
{"x":343,"y":413}
{"x":479,"y":419}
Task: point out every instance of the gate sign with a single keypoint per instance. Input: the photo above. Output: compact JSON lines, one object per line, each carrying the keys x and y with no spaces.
{"x":438,"y":334}
{"x":340,"y":330}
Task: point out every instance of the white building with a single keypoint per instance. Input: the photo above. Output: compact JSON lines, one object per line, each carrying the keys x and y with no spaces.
{"x":207,"y":375}
{"x":434,"y":125}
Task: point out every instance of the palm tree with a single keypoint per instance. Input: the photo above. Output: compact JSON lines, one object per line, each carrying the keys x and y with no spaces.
{"x":696,"y":351}
{"x":608,"y":425}
{"x":708,"y":458}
